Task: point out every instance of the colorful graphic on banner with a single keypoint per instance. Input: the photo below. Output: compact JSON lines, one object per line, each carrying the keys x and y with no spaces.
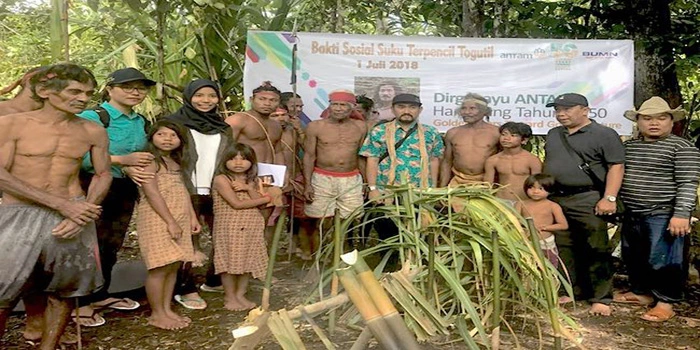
{"x":517,"y":76}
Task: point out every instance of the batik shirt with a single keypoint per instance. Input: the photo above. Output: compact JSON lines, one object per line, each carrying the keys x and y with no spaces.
{"x":408,"y":155}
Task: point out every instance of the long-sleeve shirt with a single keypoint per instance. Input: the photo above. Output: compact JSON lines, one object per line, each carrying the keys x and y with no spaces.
{"x":661,"y":176}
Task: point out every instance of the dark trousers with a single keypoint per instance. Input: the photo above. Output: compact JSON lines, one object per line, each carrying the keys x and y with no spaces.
{"x":386,"y":228}
{"x":185,"y":284}
{"x":653,"y":256}
{"x":112,"y":226}
{"x":584,"y":248}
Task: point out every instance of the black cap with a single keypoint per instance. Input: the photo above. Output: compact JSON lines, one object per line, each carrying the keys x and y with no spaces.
{"x":569,"y":100}
{"x":406,"y":98}
{"x":126,"y":75}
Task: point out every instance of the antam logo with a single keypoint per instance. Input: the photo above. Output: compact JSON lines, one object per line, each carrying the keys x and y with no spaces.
{"x":599,"y":54}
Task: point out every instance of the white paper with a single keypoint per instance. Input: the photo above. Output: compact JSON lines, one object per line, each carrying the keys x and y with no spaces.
{"x":277,"y":171}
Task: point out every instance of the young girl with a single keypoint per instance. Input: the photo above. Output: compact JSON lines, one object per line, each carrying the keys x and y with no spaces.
{"x":239,"y":227}
{"x":547,"y":215}
{"x":165,"y":222}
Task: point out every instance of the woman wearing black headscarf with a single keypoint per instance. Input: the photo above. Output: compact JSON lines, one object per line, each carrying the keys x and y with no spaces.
{"x":207,"y":131}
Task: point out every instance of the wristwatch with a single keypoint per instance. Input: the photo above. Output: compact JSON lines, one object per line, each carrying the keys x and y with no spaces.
{"x":372,"y":187}
{"x":611,"y":198}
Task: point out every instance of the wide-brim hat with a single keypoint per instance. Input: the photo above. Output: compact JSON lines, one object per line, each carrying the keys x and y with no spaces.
{"x":656,"y":105}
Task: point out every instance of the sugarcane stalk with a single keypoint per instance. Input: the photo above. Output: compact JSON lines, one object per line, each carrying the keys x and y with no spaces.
{"x":496,"y":321}
{"x":551,"y":297}
{"x":337,"y":249}
{"x":265,"y":304}
{"x":381,"y":300}
{"x":369,"y":312}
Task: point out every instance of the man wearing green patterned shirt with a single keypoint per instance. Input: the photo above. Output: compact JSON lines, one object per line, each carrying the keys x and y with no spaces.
{"x":402,"y":150}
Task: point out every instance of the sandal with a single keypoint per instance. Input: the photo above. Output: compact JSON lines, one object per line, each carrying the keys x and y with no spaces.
{"x":196,"y":303}
{"x":133,"y":305}
{"x":658,"y":314}
{"x":633,"y":299}
{"x":96,"y":318}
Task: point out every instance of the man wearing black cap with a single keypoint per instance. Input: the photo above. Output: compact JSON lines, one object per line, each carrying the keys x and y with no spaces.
{"x":586,"y":159}
{"x":402,"y":148}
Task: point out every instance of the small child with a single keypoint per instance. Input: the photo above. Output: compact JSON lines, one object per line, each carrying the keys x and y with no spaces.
{"x":547,"y":215}
{"x":239,"y":226}
{"x":513,"y":164}
{"x":165,"y":222}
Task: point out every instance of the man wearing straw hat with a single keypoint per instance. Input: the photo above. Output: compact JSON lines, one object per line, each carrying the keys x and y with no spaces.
{"x":659,"y":193}
{"x":586,"y":160}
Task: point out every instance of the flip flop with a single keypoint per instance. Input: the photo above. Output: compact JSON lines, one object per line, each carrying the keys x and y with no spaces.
{"x":658,"y":315}
{"x":97,"y":319}
{"x":113,"y":305}
{"x":68,"y":338}
{"x":629,"y":298}
{"x":199,"y":303}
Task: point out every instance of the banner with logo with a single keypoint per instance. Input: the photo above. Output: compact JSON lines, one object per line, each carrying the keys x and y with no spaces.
{"x":517,"y":76}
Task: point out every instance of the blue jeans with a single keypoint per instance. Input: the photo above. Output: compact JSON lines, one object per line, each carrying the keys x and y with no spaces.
{"x":654,"y":257}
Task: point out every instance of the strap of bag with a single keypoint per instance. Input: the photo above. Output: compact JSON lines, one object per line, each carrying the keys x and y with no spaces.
{"x":400,"y":142}
{"x":104,"y":116}
{"x":583,"y":165}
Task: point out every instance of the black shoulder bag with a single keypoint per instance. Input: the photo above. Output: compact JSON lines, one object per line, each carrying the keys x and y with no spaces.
{"x":398,"y":144}
{"x":597,"y":182}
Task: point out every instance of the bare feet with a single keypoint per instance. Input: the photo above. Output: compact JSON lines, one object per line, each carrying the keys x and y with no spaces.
{"x":234,"y":305}
{"x":662,"y":312}
{"x":598,"y":309}
{"x":631,"y":298}
{"x":167,"y":323}
{"x":33,"y":336}
{"x":247,"y":304}
{"x":175,"y":316}
{"x":565,"y":300}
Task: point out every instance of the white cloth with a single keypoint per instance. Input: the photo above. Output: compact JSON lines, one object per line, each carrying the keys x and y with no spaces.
{"x":207,"y":147}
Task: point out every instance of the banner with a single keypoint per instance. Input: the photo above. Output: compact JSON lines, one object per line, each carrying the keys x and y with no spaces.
{"x":517,"y":76}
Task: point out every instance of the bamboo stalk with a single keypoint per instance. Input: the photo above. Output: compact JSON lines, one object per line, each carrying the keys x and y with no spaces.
{"x":337,"y":248}
{"x":381,"y":300}
{"x":361,"y":299}
{"x":496,"y":321}
{"x":362,"y":340}
{"x":326,"y":342}
{"x":551,"y":297}
{"x":431,"y":264}
{"x":265,"y":304}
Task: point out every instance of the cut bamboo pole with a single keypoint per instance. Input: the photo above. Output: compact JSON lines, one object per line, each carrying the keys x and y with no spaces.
{"x":552,"y":303}
{"x":337,"y":248}
{"x":265,"y":304}
{"x":496,"y":321}
{"x":373,"y":319}
{"x":362,"y":341}
{"x":381,"y":300}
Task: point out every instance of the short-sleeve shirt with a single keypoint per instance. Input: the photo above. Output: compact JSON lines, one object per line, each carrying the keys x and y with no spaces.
{"x":408,"y":155}
{"x":126,"y":135}
{"x":599,"y":145}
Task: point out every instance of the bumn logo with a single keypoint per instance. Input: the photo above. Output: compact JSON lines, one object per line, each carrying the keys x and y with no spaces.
{"x":599,"y":54}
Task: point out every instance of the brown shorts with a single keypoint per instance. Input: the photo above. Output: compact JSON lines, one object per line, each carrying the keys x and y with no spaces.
{"x":30,"y":253}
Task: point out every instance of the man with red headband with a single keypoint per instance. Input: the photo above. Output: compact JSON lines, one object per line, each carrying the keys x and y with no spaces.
{"x":333,"y":171}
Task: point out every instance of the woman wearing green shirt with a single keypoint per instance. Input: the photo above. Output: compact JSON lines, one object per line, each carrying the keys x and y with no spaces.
{"x":125,"y":89}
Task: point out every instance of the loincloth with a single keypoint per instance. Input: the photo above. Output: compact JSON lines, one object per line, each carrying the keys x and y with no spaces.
{"x":29,"y":252}
{"x":460,"y":178}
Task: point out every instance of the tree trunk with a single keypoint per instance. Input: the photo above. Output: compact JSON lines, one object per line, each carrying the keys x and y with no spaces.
{"x":472,"y":25}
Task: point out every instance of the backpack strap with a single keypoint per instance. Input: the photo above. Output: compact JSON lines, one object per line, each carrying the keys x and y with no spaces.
{"x":104,"y":116}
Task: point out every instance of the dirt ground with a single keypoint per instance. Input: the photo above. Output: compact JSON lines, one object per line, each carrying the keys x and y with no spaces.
{"x":211,"y":328}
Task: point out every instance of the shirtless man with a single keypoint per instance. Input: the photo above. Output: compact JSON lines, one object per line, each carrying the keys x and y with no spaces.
{"x":332,"y":168}
{"x":468,"y":146}
{"x":44,"y":148}
{"x":513,"y":165}
{"x":255,"y":128}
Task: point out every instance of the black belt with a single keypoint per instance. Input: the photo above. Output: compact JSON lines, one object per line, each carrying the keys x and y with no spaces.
{"x":571,"y":190}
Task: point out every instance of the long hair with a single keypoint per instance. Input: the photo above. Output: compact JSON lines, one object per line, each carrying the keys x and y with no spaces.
{"x":178,"y":155}
{"x":247,"y":153}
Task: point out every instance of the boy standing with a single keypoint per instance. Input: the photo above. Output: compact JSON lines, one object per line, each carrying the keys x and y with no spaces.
{"x":513,"y":164}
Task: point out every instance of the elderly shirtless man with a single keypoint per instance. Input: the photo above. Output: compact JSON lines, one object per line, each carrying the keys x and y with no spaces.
{"x":332,"y":168}
{"x":468,"y":146}
{"x":52,"y":250}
